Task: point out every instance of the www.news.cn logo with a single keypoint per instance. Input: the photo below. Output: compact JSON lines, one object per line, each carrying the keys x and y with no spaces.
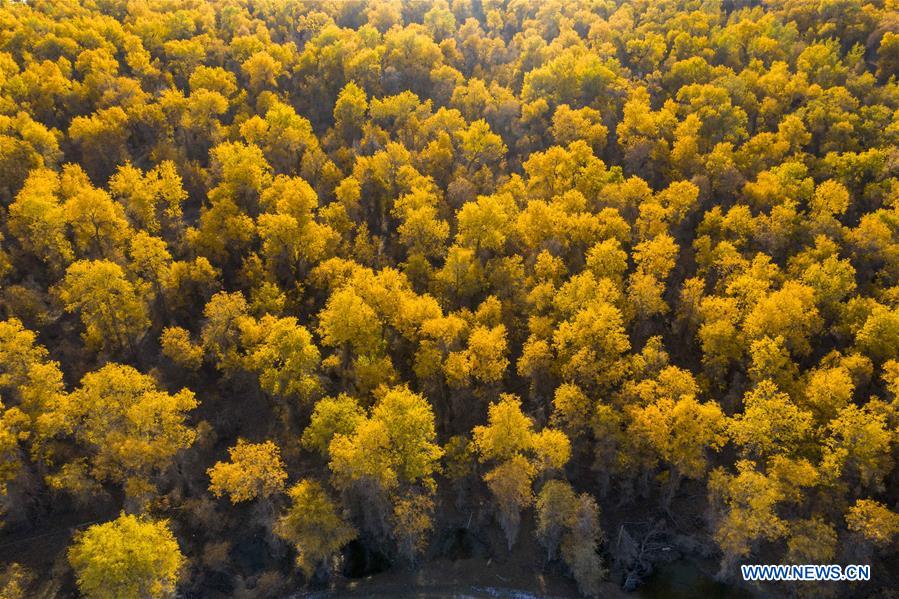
{"x":806,"y":572}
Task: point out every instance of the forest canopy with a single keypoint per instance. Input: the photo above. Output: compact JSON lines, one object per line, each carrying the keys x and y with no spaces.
{"x":298,"y":291}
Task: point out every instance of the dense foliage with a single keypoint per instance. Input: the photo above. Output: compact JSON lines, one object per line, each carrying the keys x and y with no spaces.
{"x":284,"y":277}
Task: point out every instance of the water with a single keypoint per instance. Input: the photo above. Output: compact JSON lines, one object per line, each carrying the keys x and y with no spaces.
{"x":686,"y":579}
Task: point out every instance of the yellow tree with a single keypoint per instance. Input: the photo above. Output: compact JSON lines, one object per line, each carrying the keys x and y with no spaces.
{"x":5,"y":264}
{"x":859,"y":445}
{"x":681,"y":432}
{"x":314,"y":526}
{"x":97,"y":223}
{"x":152,"y":200}
{"x":400,"y":434}
{"x":585,"y":123}
{"x":37,"y":220}
{"x":745,"y":505}
{"x":284,"y":357}
{"x":255,"y":471}
{"x":485,"y":223}
{"x":486,"y":354}
{"x":412,"y":521}
{"x":291,"y":237}
{"x":607,"y":424}
{"x":770,"y":360}
{"x":572,"y":521}
{"x":572,"y":410}
{"x":128,"y":558}
{"x":879,"y":335}
{"x":555,"y":506}
{"x":347,"y":322}
{"x":811,"y":541}
{"x":770,"y":423}
{"x":27,"y":376}
{"x":580,"y":545}
{"x":589,"y":346}
{"x":421,"y":230}
{"x":331,"y":416}
{"x":227,"y":318}
{"x":875,"y":524}
{"x":511,"y":485}
{"x":14,"y":427}
{"x":112,"y":313}
{"x":718,"y":335}
{"x":517,"y":454}
{"x":462,"y":274}
{"x":178,"y":347}
{"x":390,"y":458}
{"x":129,"y":431}
{"x":790,"y":313}
{"x":349,"y":112}
{"x":828,"y":390}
